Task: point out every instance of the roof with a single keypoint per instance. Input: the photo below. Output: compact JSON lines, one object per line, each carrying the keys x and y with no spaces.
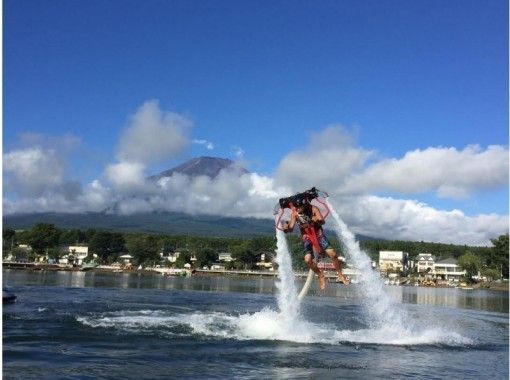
{"x":450,"y":260}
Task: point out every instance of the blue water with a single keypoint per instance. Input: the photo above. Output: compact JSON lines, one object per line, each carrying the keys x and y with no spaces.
{"x":109,"y":326}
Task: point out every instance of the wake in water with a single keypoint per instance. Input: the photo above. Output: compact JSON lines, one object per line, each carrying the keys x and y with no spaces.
{"x":386,"y":321}
{"x":263,"y":325}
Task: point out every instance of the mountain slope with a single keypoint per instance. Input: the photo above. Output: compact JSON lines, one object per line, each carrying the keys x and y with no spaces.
{"x":208,"y":166}
{"x":161,"y":222}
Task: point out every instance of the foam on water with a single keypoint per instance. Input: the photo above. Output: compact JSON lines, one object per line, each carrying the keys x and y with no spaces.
{"x":263,"y":325}
{"x":387,"y":322}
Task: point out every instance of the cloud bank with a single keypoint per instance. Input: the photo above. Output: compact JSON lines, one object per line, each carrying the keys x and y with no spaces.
{"x":447,"y":171}
{"x":355,"y":177}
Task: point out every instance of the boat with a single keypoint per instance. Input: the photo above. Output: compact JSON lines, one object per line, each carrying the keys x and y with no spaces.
{"x":89,"y":266}
{"x":8,"y":296}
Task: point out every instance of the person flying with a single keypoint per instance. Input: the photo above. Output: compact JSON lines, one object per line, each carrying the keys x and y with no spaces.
{"x":310,"y":221}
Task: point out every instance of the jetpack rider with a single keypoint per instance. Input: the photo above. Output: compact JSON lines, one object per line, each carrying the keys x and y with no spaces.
{"x":309,"y":216}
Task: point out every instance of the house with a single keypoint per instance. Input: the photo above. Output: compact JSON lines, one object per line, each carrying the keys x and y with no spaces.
{"x":171,"y":257}
{"x":263,"y":263}
{"x":78,"y":253}
{"x":225,"y":257}
{"x":393,"y":261}
{"x":425,"y":263}
{"x":126,"y":258}
{"x":25,"y":247}
{"x":448,"y":270}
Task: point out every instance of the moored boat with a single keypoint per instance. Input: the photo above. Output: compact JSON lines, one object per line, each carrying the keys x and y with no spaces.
{"x":8,"y":296}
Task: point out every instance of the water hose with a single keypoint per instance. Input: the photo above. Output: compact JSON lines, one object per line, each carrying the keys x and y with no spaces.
{"x":306,"y":286}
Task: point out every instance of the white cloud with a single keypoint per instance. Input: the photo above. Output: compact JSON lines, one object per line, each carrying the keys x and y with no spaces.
{"x":32,"y":171}
{"x":331,"y":161}
{"x":326,"y":162}
{"x":450,"y":172}
{"x":404,"y":219}
{"x":126,"y":176}
{"x":153,"y":135}
{"x":208,"y":145}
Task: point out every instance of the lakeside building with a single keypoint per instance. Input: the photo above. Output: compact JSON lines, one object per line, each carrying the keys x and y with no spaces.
{"x":393,"y":261}
{"x":171,"y":257}
{"x":225,"y":257}
{"x":449,"y":270}
{"x":425,"y":263}
{"x":74,"y":254}
{"x":126,"y":259}
{"x":263,"y":263}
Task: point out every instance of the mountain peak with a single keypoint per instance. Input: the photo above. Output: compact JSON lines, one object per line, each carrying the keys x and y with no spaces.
{"x":204,"y":165}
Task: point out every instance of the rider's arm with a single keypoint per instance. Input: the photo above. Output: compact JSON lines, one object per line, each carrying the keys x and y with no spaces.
{"x":317,"y":216}
{"x":289,"y":226}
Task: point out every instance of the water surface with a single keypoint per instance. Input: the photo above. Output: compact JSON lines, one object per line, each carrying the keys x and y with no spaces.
{"x":76,"y":325}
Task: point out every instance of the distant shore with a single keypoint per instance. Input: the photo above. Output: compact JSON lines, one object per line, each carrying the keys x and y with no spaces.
{"x":497,"y":286}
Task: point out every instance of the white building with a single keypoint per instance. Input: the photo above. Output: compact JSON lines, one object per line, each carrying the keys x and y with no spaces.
{"x":392,"y":261}
{"x":25,"y":247}
{"x":225,"y":257}
{"x":126,"y":259}
{"x":78,"y":252}
{"x":449,"y":270}
{"x":425,"y":263}
{"x":263,"y":264}
{"x":172,"y":257}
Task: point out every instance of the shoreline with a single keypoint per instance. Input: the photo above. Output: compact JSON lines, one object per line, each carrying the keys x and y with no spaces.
{"x":496,"y":286}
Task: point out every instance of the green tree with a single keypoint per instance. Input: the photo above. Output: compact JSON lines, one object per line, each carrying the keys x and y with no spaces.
{"x":244,"y":255}
{"x":106,"y":244}
{"x":43,"y":236}
{"x":184,"y":258}
{"x":20,"y":254}
{"x":144,"y":249}
{"x":491,"y":274}
{"x":471,"y":264}
{"x":499,"y":254}
{"x":72,"y":237}
{"x":205,"y":256}
{"x":54,"y":253}
{"x":8,"y":238}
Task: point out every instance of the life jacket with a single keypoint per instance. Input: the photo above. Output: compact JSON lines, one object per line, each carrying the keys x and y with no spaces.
{"x":304,"y":220}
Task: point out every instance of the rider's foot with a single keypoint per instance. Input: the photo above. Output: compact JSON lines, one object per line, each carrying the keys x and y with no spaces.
{"x":343,"y":279}
{"x":322,"y":281}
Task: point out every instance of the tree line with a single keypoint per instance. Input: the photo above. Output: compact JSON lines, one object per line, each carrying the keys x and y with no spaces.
{"x":145,"y":248}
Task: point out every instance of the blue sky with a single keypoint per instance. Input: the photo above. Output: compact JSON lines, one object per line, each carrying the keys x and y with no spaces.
{"x":399,"y":76}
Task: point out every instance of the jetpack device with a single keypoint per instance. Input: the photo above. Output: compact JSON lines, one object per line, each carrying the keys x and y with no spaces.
{"x":286,"y":206}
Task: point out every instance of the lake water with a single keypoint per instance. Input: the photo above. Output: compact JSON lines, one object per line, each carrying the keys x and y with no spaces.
{"x":85,"y":325}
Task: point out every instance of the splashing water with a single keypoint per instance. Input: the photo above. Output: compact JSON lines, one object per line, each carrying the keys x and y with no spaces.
{"x":385,"y":319}
{"x":379,"y":309}
{"x":263,"y":325}
{"x":287,"y":295}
